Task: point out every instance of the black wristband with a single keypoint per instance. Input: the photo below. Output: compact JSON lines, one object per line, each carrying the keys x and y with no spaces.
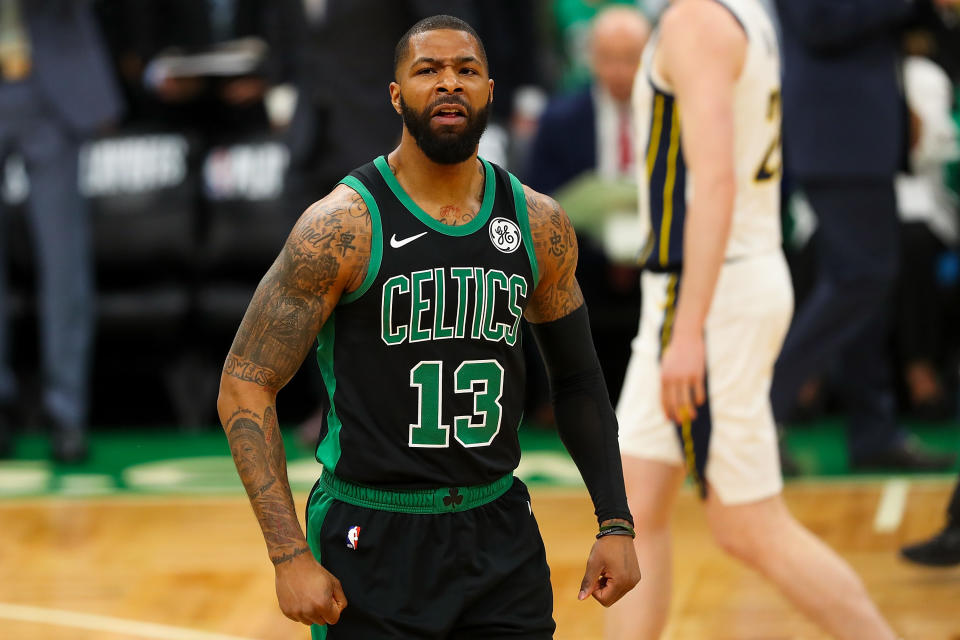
{"x":616,"y":531}
{"x":618,"y":525}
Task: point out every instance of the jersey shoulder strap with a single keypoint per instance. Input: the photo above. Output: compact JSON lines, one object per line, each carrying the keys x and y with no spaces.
{"x":365,"y":181}
{"x":514,"y":188}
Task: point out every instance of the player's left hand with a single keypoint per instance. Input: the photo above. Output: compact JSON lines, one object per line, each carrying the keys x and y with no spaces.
{"x":612,"y":570}
{"x":682,"y":371}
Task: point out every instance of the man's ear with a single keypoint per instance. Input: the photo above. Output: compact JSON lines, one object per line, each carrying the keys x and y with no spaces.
{"x":395,"y":97}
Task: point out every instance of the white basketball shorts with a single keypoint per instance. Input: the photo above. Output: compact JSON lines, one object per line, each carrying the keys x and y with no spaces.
{"x":745,"y":327}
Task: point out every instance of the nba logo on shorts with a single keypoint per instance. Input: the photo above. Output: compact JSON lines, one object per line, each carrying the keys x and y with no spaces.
{"x":353,"y":537}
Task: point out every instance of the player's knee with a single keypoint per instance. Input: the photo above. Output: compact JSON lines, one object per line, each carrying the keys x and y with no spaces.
{"x":737,"y":538}
{"x":731,"y":542}
{"x":752,"y":532}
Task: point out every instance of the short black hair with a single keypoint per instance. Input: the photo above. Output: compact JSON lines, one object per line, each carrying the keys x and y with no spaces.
{"x":435,"y":23}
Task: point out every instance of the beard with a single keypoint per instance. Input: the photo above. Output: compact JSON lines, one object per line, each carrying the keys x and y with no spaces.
{"x":445,"y":146}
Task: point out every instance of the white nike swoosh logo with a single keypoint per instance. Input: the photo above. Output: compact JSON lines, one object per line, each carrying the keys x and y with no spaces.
{"x":396,"y":244}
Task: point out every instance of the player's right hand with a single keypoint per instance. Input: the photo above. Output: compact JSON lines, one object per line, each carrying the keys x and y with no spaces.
{"x":682,"y":372}
{"x":612,"y":570}
{"x":307,"y":592}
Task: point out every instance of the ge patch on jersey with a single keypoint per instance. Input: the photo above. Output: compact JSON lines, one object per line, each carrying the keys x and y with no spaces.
{"x":505,"y":235}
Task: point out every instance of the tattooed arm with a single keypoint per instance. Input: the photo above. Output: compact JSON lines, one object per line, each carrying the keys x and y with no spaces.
{"x":325,"y":256}
{"x":555,"y":243}
{"x":585,"y":420}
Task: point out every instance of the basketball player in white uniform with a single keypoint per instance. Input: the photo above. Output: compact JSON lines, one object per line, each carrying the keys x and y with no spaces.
{"x":717,"y":302}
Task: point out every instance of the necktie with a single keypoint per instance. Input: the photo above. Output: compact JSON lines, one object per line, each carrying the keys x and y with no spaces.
{"x":625,"y":143}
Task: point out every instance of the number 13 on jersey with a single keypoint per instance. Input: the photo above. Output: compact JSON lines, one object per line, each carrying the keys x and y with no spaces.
{"x":482,"y":378}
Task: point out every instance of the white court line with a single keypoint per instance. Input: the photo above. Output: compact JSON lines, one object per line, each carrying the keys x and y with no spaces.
{"x":75,"y":620}
{"x":892,"y":503}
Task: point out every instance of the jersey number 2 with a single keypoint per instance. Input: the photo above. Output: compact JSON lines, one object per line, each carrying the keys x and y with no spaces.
{"x":772,"y":163}
{"x":482,"y":378}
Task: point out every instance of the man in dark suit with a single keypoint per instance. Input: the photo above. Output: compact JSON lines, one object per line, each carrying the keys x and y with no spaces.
{"x":844,"y":135}
{"x":590,"y":130}
{"x":583,"y":155}
{"x":565,"y":146}
{"x":55,"y":88}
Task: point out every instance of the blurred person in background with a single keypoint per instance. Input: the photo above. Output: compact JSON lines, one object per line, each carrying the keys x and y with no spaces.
{"x":56,"y":88}
{"x":939,"y":25}
{"x":942,"y":549}
{"x":928,"y":90}
{"x":930,"y":231}
{"x":572,"y":24}
{"x":127,"y":27}
{"x":583,"y":155}
{"x":844,"y":140}
{"x":589,"y":132}
{"x":205,"y":65}
{"x":716,"y":306}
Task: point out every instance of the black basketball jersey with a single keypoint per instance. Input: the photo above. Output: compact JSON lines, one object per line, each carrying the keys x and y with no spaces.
{"x":423,"y":364}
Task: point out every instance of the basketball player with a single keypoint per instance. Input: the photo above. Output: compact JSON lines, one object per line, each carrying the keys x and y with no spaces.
{"x":716,"y":304}
{"x":413,"y":276}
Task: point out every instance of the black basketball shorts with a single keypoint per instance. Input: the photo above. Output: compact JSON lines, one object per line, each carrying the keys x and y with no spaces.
{"x":456,"y":562}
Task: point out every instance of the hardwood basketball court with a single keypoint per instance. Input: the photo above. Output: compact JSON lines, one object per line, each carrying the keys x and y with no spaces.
{"x":194,"y":567}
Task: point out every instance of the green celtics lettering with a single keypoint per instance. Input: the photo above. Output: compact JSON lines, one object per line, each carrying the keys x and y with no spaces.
{"x":476,"y":293}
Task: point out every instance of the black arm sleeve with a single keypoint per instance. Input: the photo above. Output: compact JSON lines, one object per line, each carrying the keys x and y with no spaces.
{"x":585,"y":419}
